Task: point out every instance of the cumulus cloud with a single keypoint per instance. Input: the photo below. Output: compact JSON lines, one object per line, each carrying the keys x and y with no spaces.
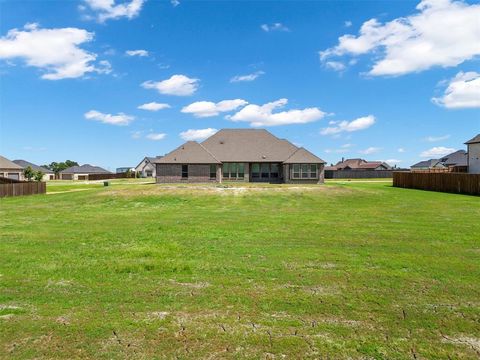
{"x":370,"y":150}
{"x":119,"y":119}
{"x":208,"y":108}
{"x":141,"y":53}
{"x":153,"y":106}
{"x":179,"y":85}
{"x":197,"y":135}
{"x":274,"y":27}
{"x":55,"y":51}
{"x":343,"y":149}
{"x":436,"y":151}
{"x":437,"y":138}
{"x":462,"y":92}
{"x":109,"y":9}
{"x":361,"y":123}
{"x":335,"y":65}
{"x":441,"y":33}
{"x":392,"y":162}
{"x":263,"y":115}
{"x":156,"y":136}
{"x":248,"y":77}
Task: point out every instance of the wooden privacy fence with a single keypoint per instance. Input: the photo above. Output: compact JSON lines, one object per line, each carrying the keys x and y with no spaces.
{"x":358,"y":174}
{"x":460,"y":183}
{"x":22,"y":188}
{"x":111,"y":176}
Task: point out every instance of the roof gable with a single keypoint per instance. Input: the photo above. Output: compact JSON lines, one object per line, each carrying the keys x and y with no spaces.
{"x":24,"y":164}
{"x":249,"y":145}
{"x":7,"y":164}
{"x":474,"y":140}
{"x":458,"y":158}
{"x":303,"y":156}
{"x":189,"y":153}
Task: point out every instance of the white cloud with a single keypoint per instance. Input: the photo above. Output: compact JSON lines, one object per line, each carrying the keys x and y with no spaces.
{"x":463,"y":91}
{"x":154,"y":106}
{"x":141,"y":53}
{"x":107,"y":9}
{"x":119,"y":119}
{"x":156,"y":136}
{"x":262,"y":115}
{"x":136,"y":134}
{"x":370,"y":150}
{"x":349,"y":126}
{"x":392,"y":162}
{"x":441,"y":33}
{"x":208,"y":108}
{"x":437,"y":138}
{"x":343,"y":149}
{"x":196,"y":135}
{"x":335,"y":65}
{"x":55,"y":51}
{"x":248,"y":77}
{"x":437,"y":151}
{"x":175,"y":3}
{"x":274,"y":27}
{"x":347,"y":23}
{"x":179,"y":85}
{"x":401,"y":150}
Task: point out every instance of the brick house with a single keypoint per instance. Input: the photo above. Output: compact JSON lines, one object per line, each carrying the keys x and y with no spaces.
{"x":248,"y":155}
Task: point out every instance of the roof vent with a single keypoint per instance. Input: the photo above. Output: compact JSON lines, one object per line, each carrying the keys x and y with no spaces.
{"x":264,"y":157}
{"x":222,"y":142}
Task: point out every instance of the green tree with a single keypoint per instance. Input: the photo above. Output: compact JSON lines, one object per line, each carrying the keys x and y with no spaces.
{"x":28,"y":173}
{"x":38,"y":175}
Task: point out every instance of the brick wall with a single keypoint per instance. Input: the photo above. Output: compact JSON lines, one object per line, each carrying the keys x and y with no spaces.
{"x":172,"y":173}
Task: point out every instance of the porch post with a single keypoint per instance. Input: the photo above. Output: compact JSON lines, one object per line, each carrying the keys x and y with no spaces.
{"x":219,"y":173}
{"x":246,"y":174}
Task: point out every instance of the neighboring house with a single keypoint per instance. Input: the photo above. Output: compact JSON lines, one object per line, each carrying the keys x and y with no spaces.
{"x":9,"y":169}
{"x":473,"y":159}
{"x":359,"y":164}
{"x":248,"y":155}
{"x":125,"y":169}
{"x":47,"y":173}
{"x":81,"y":172}
{"x":425,"y":164}
{"x":454,"y":162}
{"x":147,"y":167}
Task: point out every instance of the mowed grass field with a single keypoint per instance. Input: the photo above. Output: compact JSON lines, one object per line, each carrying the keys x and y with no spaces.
{"x":347,"y":270}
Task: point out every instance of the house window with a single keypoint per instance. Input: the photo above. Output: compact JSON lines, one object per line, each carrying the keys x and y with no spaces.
{"x":304,"y":171}
{"x":233,"y":171}
{"x":149,"y":173}
{"x":184,"y":171}
{"x":274,"y":170}
{"x":213,"y":171}
{"x":265,"y":170}
{"x":241,"y":170}
{"x":296,"y":171}
{"x":255,"y":171}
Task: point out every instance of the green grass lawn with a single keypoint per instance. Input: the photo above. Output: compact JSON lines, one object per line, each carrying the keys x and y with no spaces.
{"x":347,"y":270}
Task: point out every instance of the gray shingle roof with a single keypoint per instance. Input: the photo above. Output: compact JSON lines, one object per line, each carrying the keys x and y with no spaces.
{"x":85,"y":169}
{"x":425,"y":163}
{"x":303,"y":156}
{"x":475,"y":140}
{"x":457,"y":158}
{"x":249,"y":145}
{"x":7,"y":164}
{"x":189,"y":153}
{"x":24,"y":164}
{"x":239,"y":145}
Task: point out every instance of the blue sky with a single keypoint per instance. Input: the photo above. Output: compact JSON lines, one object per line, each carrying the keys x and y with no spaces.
{"x":322,"y":74}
